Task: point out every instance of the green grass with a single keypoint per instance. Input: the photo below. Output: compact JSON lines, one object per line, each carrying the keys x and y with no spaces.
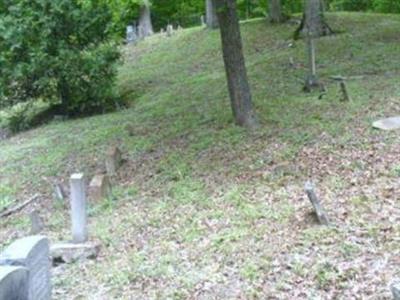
{"x":203,"y":205}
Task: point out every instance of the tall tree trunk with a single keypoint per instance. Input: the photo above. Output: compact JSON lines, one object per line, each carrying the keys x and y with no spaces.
{"x":238,"y":86}
{"x":275,"y":11}
{"x":313,"y":20}
{"x":211,"y":15}
{"x":145,"y":25}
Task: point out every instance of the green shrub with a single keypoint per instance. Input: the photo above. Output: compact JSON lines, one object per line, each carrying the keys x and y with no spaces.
{"x":386,"y":6}
{"x":56,"y":50}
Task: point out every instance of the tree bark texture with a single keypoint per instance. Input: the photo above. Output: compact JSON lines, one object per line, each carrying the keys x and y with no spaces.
{"x":275,"y":11}
{"x":232,"y":48}
{"x":211,"y":15}
{"x":313,"y":21}
{"x":145,"y":24}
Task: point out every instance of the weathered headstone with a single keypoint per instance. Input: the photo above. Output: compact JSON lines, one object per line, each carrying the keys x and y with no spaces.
{"x":203,"y":21}
{"x":78,"y":208}
{"x":319,"y":211}
{"x":395,"y":288}
{"x":59,"y":193}
{"x":14,"y":283}
{"x":170,"y":30}
{"x":32,"y":253}
{"x":99,"y":187}
{"x":131,"y":35}
{"x":387,"y":124}
{"x":113,"y":160}
{"x":36,"y":222}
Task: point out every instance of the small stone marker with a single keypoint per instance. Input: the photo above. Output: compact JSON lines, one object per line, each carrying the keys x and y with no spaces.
{"x":131,"y":35}
{"x":322,"y":218}
{"x":170,"y":30}
{"x":203,"y":21}
{"x":59,"y":193}
{"x":32,"y":253}
{"x":395,"y":288}
{"x":78,"y":208}
{"x":36,"y":222}
{"x":113,"y":161}
{"x":14,"y":283}
{"x":99,"y":187}
{"x":387,"y":124}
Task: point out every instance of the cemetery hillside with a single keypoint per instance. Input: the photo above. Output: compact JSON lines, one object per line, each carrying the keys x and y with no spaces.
{"x":194,"y":198}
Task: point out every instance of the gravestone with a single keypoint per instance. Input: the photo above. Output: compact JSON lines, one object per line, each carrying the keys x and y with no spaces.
{"x":131,"y":35}
{"x":13,"y":283}
{"x":113,"y":161}
{"x":36,"y":222}
{"x":99,"y":187}
{"x":319,"y":211}
{"x":203,"y":21}
{"x":395,"y":288}
{"x":59,"y":193}
{"x":78,"y":208}
{"x":387,"y":124}
{"x":170,"y":30}
{"x":32,"y":253}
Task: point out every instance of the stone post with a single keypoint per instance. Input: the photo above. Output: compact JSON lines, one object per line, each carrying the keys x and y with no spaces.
{"x":78,"y":208}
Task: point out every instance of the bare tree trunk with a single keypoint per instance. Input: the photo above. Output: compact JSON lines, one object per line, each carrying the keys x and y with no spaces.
{"x":238,"y":86}
{"x":145,"y":25}
{"x":275,"y":11}
{"x":211,"y":15}
{"x":313,"y":20}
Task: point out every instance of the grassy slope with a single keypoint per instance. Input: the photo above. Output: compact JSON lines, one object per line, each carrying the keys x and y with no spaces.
{"x":203,"y":209}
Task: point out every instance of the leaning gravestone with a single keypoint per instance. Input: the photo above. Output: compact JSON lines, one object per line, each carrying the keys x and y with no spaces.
{"x":33,"y":254}
{"x":319,"y":211}
{"x":13,"y":283}
{"x":387,"y":124}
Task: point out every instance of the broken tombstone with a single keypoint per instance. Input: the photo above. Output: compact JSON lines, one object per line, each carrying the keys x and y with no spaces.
{"x":387,"y":124}
{"x":113,"y":160}
{"x":69,"y":252}
{"x":99,"y":187}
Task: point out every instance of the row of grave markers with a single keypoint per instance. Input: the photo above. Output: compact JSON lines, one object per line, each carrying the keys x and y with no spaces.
{"x":136,"y":33}
{"x":25,"y":265}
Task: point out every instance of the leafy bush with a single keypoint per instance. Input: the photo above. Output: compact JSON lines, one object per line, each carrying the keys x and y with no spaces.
{"x":56,"y":50}
{"x":351,"y":5}
{"x":386,"y":6}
